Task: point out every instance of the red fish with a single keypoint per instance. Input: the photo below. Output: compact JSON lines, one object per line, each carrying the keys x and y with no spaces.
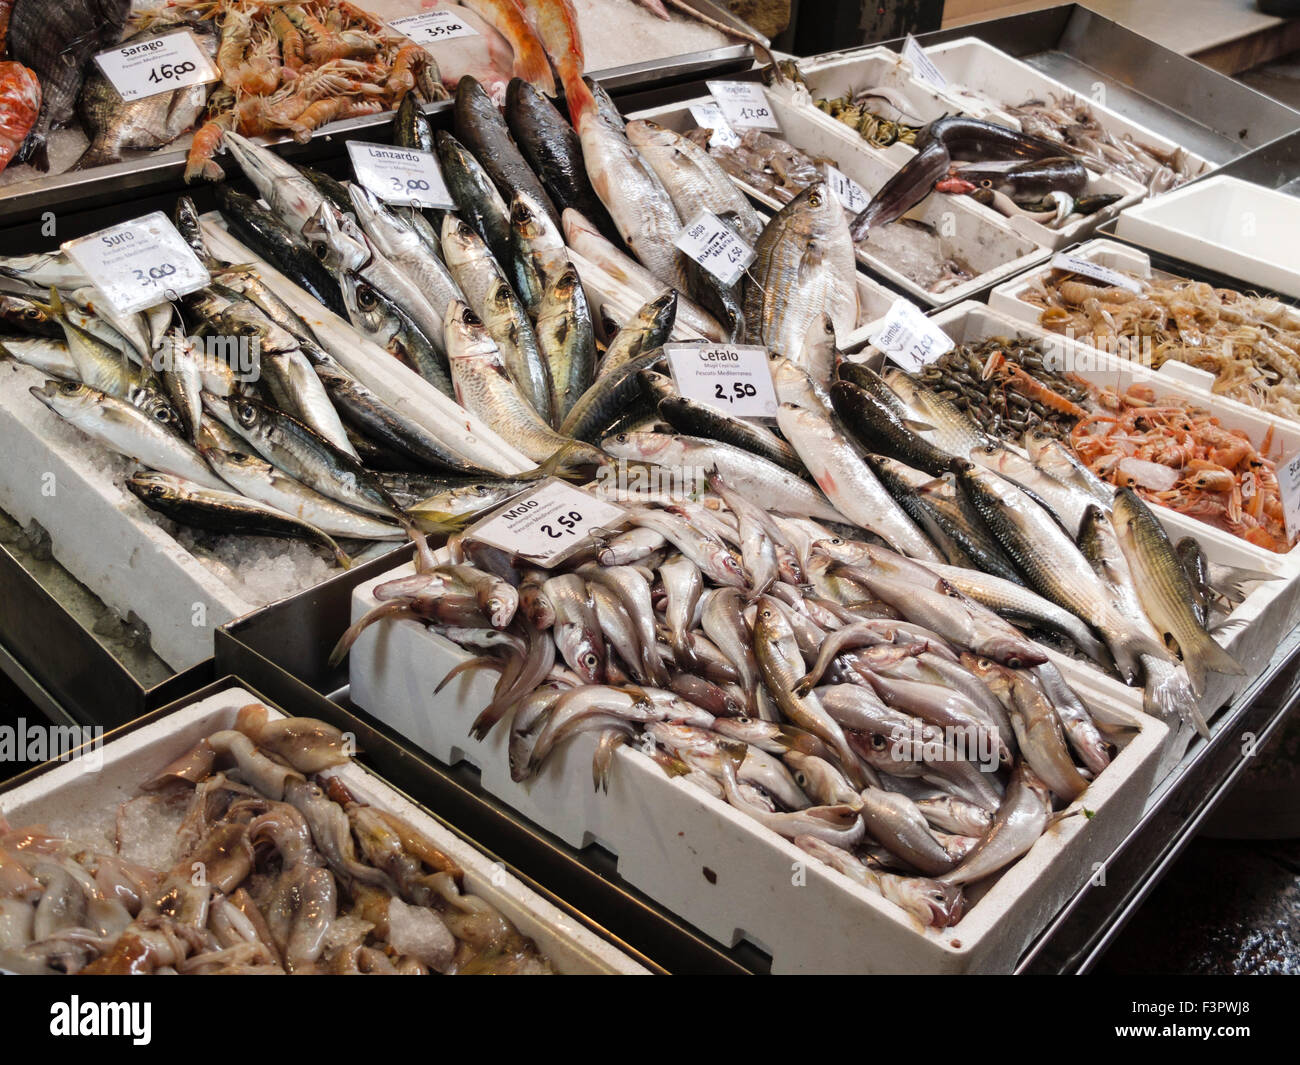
{"x":20,"y":103}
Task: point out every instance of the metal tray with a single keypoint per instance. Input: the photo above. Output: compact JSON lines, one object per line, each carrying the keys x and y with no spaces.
{"x":1205,"y":111}
{"x":1275,"y":166}
{"x":386,"y":759}
{"x":125,"y":181}
{"x":282,"y":651}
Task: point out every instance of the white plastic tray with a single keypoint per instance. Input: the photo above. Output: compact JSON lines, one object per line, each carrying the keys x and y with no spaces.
{"x":79,"y":799}
{"x":718,"y":869}
{"x":973,"y":233}
{"x":1226,"y":224}
{"x":841,"y":73}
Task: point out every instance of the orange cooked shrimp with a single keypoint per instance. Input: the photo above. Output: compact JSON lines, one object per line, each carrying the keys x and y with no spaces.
{"x":291,"y":43}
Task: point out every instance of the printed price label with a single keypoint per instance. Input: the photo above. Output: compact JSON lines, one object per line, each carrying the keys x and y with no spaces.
{"x":710,"y":116}
{"x":910,"y":338}
{"x":1107,"y":276}
{"x":1288,"y":483}
{"x":429,"y":27}
{"x":400,"y":175}
{"x":139,"y":263}
{"x":729,"y":377}
{"x":547,"y":524}
{"x":922,"y":65}
{"x":744,"y":105}
{"x":714,"y":245}
{"x":852,"y":195}
{"x":160,"y":64}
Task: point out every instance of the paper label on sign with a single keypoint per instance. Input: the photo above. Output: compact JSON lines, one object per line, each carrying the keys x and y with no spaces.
{"x":922,"y":65}
{"x":852,"y":195}
{"x":744,"y":105}
{"x":910,"y":338}
{"x":1288,"y":483}
{"x":160,"y":64}
{"x":430,"y":27}
{"x":140,"y":263}
{"x":547,"y":524}
{"x":401,"y":176}
{"x":733,"y":378}
{"x":709,"y":116}
{"x":1075,"y":265}
{"x":714,"y":245}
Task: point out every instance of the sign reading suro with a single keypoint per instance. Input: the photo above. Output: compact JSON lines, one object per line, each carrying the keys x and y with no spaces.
{"x":400,"y":176}
{"x":547,"y":524}
{"x":910,"y":338}
{"x":139,"y":263}
{"x":157,"y":65}
{"x":734,"y":378}
{"x":430,"y":27}
{"x":744,"y":105}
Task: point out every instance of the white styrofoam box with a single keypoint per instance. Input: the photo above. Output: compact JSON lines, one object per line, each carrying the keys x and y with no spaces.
{"x":997,"y":80}
{"x":714,"y":866}
{"x":79,"y":801}
{"x":1271,"y":607}
{"x":968,"y":231}
{"x":1008,"y":299}
{"x":1224,"y":223}
{"x":840,"y":73}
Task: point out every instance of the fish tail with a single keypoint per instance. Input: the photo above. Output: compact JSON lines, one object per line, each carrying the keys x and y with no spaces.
{"x":481,"y":662}
{"x":1206,"y":656}
{"x":97,"y":153}
{"x":578,"y":96}
{"x":383,"y":610}
{"x":1168,"y":695}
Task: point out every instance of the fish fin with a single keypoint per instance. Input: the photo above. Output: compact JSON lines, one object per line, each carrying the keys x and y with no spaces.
{"x":552,"y":467}
{"x":383,"y":610}
{"x":438,"y":521}
{"x":1206,"y":656}
{"x":97,"y":153}
{"x":1230,"y":581}
{"x":480,"y":662}
{"x":918,"y":426}
{"x":1169,"y":696}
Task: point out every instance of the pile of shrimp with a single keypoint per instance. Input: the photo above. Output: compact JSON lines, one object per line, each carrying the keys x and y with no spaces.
{"x":291,"y":67}
{"x":1179,"y":456}
{"x":1250,"y":343}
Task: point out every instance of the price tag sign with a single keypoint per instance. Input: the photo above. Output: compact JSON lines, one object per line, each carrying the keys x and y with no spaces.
{"x":922,"y":65}
{"x":548,"y":524}
{"x":1075,"y":265}
{"x":140,"y":263}
{"x":160,"y":64}
{"x":709,"y":116}
{"x":744,"y":105}
{"x":1288,"y":483}
{"x":402,"y":176}
{"x":910,"y":338}
{"x":430,"y":27}
{"x":714,"y":245}
{"x":733,"y":378}
{"x":852,"y":195}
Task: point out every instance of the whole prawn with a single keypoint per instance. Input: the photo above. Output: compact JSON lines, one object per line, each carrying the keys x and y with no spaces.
{"x":20,"y":103}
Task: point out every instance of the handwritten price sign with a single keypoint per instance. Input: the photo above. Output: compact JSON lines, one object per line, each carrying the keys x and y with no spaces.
{"x":160,"y":64}
{"x":744,"y":105}
{"x":139,"y":263}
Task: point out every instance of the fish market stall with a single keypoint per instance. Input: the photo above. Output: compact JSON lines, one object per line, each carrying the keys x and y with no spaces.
{"x":128,"y":815}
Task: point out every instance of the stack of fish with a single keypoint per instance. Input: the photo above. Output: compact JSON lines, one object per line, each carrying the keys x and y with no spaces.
{"x":301,"y":876}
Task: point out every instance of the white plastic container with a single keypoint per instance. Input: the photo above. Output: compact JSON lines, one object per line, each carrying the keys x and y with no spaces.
{"x":1226,"y":224}
{"x":718,"y":869}
{"x":79,"y":800}
{"x":982,"y":239}
{"x":1271,"y":607}
{"x":843,"y":73}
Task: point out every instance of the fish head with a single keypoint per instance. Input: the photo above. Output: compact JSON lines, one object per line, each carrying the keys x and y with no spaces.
{"x":247,"y":414}
{"x":460,"y":241}
{"x":933,"y":902}
{"x":576,"y":224}
{"x":579,"y":646}
{"x":154,"y":487}
{"x":529,"y":222}
{"x":158,"y":407}
{"x":634,"y":445}
{"x":66,"y":398}
{"x":643,"y":133}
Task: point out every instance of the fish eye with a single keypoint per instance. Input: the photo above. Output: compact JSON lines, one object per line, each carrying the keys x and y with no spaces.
{"x":591,"y":660}
{"x":815,"y":199}
{"x":32,"y":313}
{"x":986,"y":183}
{"x":801,"y":778}
{"x":69,"y":388}
{"x":157,"y":491}
{"x":366,"y":298}
{"x":877,"y":743}
{"x":246,"y":413}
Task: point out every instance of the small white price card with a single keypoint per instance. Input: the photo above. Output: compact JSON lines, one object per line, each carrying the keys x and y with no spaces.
{"x":402,"y":176}
{"x":714,"y":245}
{"x":910,"y":338}
{"x":157,"y":65}
{"x":852,"y":195}
{"x":733,"y":378}
{"x":1288,"y":483}
{"x":709,"y":116}
{"x":430,"y":27}
{"x":549,"y":523}
{"x":922,"y":65}
{"x":139,"y":263}
{"x":1076,"y":265}
{"x":744,"y":104}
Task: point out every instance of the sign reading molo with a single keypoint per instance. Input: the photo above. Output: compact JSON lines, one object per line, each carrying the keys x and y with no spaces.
{"x":548,"y":524}
{"x":734,"y":378}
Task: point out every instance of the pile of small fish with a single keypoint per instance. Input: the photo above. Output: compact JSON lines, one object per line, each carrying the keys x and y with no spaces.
{"x":299,"y":876}
{"x":779,"y":171}
{"x":1172,"y":452}
{"x":1071,"y":122}
{"x":1251,"y":343}
{"x":879,"y":115}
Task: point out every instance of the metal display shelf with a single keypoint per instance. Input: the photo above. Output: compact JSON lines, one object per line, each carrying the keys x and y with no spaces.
{"x":388,"y":760}
{"x":150,"y":172}
{"x":1275,"y":166}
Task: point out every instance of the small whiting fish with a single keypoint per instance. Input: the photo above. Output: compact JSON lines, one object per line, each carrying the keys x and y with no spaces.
{"x":1019,"y":822}
{"x":223,"y":512}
